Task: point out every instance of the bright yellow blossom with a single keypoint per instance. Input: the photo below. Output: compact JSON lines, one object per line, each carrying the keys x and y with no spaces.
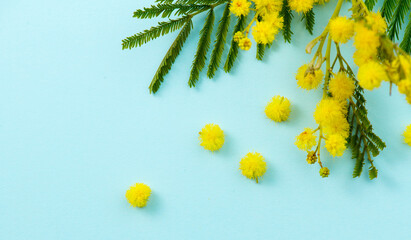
{"x":370,"y":75}
{"x":376,"y":22}
{"x":278,"y":109}
{"x":405,"y":64}
{"x":309,"y":79}
{"x":301,"y":5}
{"x":306,"y":140}
{"x":253,"y":166}
{"x":361,"y":57}
{"x":321,"y":1}
{"x":329,"y":110}
{"x":211,"y":137}
{"x":138,"y":195}
{"x":245,"y":43}
{"x":240,"y":7}
{"x":335,"y":145}
{"x":324,"y":172}
{"x":407,"y":135}
{"x":341,"y":29}
{"x":404,"y":86}
{"x":339,"y":126}
{"x":263,"y":32}
{"x":265,"y":7}
{"x":366,"y":39}
{"x":341,"y":86}
{"x":238,"y":36}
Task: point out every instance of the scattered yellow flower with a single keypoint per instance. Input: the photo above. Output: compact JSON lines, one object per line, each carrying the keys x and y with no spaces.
{"x":306,"y":140}
{"x":341,"y":86}
{"x":301,"y":5}
{"x":253,"y":166}
{"x":341,"y":29}
{"x":370,"y":75}
{"x":335,"y":145}
{"x":138,"y":195}
{"x":240,"y":7}
{"x":211,"y":137}
{"x":309,"y":78}
{"x":278,"y":109}
{"x":407,"y":135}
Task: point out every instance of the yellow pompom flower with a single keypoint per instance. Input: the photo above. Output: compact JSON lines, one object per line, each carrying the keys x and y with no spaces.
{"x":240,"y":7}
{"x":376,"y":22}
{"x":338,"y":126}
{"x":321,"y":1}
{"x":341,"y":86}
{"x":306,"y":140}
{"x":366,"y":39}
{"x":341,"y":29}
{"x":407,"y":135}
{"x":370,"y":75}
{"x":278,"y":109}
{"x":405,"y":63}
{"x":275,"y":20}
{"x":211,"y":137}
{"x":301,"y":5}
{"x":404,"y":86}
{"x":263,"y":32}
{"x":335,"y":145}
{"x":244,"y":43}
{"x":265,"y":7}
{"x":361,"y":57}
{"x":253,"y":166}
{"x":329,"y":110}
{"x":309,"y":78}
{"x":138,"y":195}
{"x":238,"y":36}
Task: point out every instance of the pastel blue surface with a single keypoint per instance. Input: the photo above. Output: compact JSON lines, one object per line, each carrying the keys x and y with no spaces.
{"x":78,"y":127}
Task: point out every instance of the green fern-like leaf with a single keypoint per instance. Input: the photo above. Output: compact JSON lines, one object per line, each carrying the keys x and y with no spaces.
{"x":165,"y":10}
{"x":170,"y":56}
{"x":260,"y":51}
{"x":402,"y":9}
{"x":309,"y":18}
{"x":370,"y":4}
{"x":147,"y":35}
{"x":373,"y":173}
{"x":359,"y":164}
{"x":233,"y":52}
{"x":219,"y":44}
{"x":406,"y":41}
{"x":388,"y":8}
{"x":202,"y":48}
{"x":287,"y":16}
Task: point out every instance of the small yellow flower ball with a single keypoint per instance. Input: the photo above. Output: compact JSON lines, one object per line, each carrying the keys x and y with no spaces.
{"x":238,"y":36}
{"x":376,"y":22}
{"x":278,"y":109}
{"x":301,"y":5}
{"x":404,"y":86}
{"x":370,"y":75}
{"x":329,"y":110}
{"x":335,"y":145}
{"x":362,"y":57}
{"x":309,"y":78}
{"x":366,"y":40}
{"x":138,"y":195}
{"x":339,"y":126}
{"x":245,"y":43}
{"x":253,"y":166}
{"x":211,"y":137}
{"x":240,"y":7}
{"x":324,"y":172}
{"x":263,"y":32}
{"x":265,"y":7}
{"x":306,"y":140}
{"x":341,"y":29}
{"x":311,"y":157}
{"x":407,"y":135}
{"x":341,"y":86}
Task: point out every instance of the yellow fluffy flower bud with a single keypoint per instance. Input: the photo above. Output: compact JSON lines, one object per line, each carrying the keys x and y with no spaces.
{"x":306,"y":140}
{"x":265,"y":7}
{"x":311,"y":157}
{"x":211,"y":137}
{"x":301,"y":5}
{"x":404,"y":86}
{"x":407,"y":135}
{"x":366,"y":39}
{"x":263,"y":32}
{"x":341,"y":86}
{"x":240,"y":7}
{"x":370,"y":75}
{"x":245,"y":44}
{"x":341,"y":29}
{"x":138,"y":195}
{"x":238,"y":36}
{"x":329,"y":110}
{"x":376,"y":22}
{"x":335,"y":145}
{"x":253,"y":166}
{"x":324,"y":172}
{"x":278,"y":109}
{"x":308,"y":78}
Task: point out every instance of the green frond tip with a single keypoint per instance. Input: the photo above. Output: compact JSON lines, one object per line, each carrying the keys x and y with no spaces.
{"x":219,"y":44}
{"x":406,"y":41}
{"x":309,"y":18}
{"x":233,"y":52}
{"x":359,"y":163}
{"x":388,"y":8}
{"x":166,"y":9}
{"x":397,"y":20}
{"x":370,"y":4}
{"x":202,"y":48}
{"x":170,"y":57}
{"x":163,"y":28}
{"x":260,"y":51}
{"x":287,"y":16}
{"x":372,"y":173}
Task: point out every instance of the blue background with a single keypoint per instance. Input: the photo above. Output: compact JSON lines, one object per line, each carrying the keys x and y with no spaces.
{"x":78,"y":127}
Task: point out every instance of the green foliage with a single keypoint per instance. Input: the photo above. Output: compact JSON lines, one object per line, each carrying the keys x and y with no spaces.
{"x":170,"y":56}
{"x":397,"y":20}
{"x":147,"y":35}
{"x":370,"y":4}
{"x":388,"y":8}
{"x":260,"y":51}
{"x":233,"y":52}
{"x":167,"y":9}
{"x":219,"y":44}
{"x":406,"y":42}
{"x":202,"y":48}
{"x":309,"y":18}
{"x":288,"y":16}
